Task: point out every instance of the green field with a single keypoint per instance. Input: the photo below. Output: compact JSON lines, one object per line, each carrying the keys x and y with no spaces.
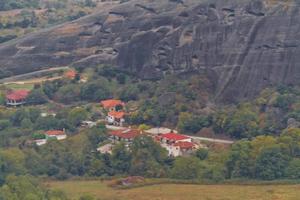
{"x":15,"y":86}
{"x":74,"y":189}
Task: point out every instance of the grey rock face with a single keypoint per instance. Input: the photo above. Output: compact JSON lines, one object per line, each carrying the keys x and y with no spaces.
{"x":245,"y":45}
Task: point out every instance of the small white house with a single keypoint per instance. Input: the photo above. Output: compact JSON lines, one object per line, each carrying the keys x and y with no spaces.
{"x":177,"y":144}
{"x":58,"y":134}
{"x":115,"y":118}
{"x":88,"y":124}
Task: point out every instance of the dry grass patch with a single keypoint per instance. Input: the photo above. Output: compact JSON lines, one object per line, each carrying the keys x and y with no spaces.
{"x":99,"y":189}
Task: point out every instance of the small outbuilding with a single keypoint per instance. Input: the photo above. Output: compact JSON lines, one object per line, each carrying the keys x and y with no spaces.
{"x":58,"y":134}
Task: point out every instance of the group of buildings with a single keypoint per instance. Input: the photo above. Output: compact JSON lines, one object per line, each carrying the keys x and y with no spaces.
{"x":176,"y":144}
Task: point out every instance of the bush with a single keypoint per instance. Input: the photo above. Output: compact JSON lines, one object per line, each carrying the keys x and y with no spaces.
{"x":202,"y":154}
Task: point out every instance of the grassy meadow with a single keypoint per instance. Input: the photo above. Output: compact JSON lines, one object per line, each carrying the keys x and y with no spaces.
{"x":100,"y":190}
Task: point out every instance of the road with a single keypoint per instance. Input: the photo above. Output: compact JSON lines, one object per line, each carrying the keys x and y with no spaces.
{"x":31,"y":75}
{"x":212,"y":140}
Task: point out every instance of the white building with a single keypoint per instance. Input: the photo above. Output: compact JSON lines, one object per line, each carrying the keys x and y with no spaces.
{"x":88,"y":124}
{"x":17,"y":97}
{"x":115,"y":118}
{"x":58,"y":134}
{"x":40,"y":142}
{"x":177,"y":144}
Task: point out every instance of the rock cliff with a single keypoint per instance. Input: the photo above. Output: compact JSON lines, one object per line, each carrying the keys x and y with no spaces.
{"x":243,"y":45}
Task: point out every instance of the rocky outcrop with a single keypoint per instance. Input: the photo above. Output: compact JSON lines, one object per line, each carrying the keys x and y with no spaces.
{"x":244,"y":45}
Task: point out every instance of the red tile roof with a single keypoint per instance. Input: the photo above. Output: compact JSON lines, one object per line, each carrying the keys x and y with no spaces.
{"x":71,"y":74}
{"x":184,"y":145}
{"x":17,"y":95}
{"x":111,"y":103}
{"x":55,"y":132}
{"x":126,"y":134}
{"x":117,"y":115}
{"x":174,"y":136}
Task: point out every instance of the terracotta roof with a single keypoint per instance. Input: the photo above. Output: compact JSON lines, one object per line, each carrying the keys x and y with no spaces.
{"x":17,"y":95}
{"x":55,"y":132}
{"x":174,"y":136}
{"x":110,"y":103}
{"x":117,"y":115}
{"x":126,"y":134}
{"x":71,"y":74}
{"x":184,"y":145}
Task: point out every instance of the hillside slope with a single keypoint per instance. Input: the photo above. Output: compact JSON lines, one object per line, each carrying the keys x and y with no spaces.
{"x":243,"y":45}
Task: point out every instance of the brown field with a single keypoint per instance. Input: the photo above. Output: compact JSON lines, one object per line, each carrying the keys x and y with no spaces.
{"x":100,"y":190}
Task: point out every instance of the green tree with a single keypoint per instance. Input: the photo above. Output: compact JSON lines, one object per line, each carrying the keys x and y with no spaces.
{"x":121,"y":159}
{"x":293,"y":169}
{"x":26,"y":123}
{"x":148,"y":158}
{"x":186,"y":168}
{"x":271,"y":164}
{"x":36,"y":97}
{"x":192,"y":124}
{"x":77,"y":115}
{"x":202,"y":153}
{"x":86,"y":197}
{"x":238,"y":163}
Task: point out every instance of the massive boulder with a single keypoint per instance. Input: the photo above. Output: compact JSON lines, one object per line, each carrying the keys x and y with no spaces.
{"x":243,"y":45}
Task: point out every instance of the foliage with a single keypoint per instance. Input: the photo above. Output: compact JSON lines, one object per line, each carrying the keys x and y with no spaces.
{"x":202,"y":153}
{"x":271,"y":164}
{"x":186,"y":168}
{"x":188,"y":123}
{"x":36,"y":97}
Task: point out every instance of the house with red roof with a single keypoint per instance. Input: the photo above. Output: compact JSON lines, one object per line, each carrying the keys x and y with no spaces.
{"x":177,"y":144}
{"x":170,"y":138}
{"x":58,"y":134}
{"x":112,"y":105}
{"x":115,"y":115}
{"x":116,"y":118}
{"x":70,"y":74}
{"x":16,"y":97}
{"x":183,"y":148}
{"x":125,"y":135}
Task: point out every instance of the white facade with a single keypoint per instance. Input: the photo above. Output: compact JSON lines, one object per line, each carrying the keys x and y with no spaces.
{"x":114,"y":121}
{"x":14,"y":102}
{"x":176,"y":151}
{"x":88,"y":124}
{"x":41,"y":142}
{"x":164,"y":140}
{"x":58,"y":137}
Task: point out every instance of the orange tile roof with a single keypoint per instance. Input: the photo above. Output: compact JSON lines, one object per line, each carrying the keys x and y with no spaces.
{"x":71,"y":74}
{"x":126,"y":134}
{"x":55,"y":132}
{"x":110,"y":103}
{"x":174,"y":136}
{"x":17,"y":95}
{"x":117,"y":115}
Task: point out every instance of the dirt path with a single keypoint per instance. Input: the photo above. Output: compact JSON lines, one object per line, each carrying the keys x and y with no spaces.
{"x":31,"y":75}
